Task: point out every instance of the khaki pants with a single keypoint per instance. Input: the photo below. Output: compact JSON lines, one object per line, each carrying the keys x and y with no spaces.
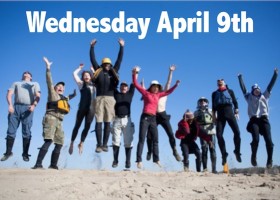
{"x":104,"y":108}
{"x":52,"y":129}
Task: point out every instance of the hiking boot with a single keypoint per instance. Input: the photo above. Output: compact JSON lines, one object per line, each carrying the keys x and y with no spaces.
{"x":115,"y":164}
{"x":176,"y":155}
{"x":254,"y":161}
{"x":53,"y":167}
{"x":149,"y":155}
{"x":224,"y":159}
{"x":269,"y":164}
{"x":37,"y":167}
{"x":186,"y":169}
{"x":98,"y":150}
{"x":105,"y":148}
{"x":6,"y":156}
{"x":25,"y":157}
{"x":238,"y":156}
{"x":205,"y":170}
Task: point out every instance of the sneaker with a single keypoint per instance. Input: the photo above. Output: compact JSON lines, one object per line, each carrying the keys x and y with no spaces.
{"x":205,"y":170}
{"x":53,"y":167}
{"x":127,"y":164}
{"x":6,"y":156}
{"x":158,"y":163}
{"x":269,"y":164}
{"x":176,"y":155}
{"x":139,"y":165}
{"x":238,"y":156}
{"x":115,"y":164}
{"x":105,"y":148}
{"x":37,"y":167}
{"x":186,"y":169}
{"x":224,"y":159}
{"x":98,"y":150}
{"x":149,"y":155}
{"x":25,"y":158}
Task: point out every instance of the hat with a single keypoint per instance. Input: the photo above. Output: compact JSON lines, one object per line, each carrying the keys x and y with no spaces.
{"x":255,"y":86}
{"x":188,"y":114}
{"x":124,"y":83}
{"x":106,"y":61}
{"x":155,"y":82}
{"x":60,"y":83}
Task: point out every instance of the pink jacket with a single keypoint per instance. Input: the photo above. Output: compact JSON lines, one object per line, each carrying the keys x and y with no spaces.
{"x":151,"y":99}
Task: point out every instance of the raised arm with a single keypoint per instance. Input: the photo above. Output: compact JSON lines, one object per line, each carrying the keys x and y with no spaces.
{"x":169,"y":78}
{"x":135,"y":72}
{"x":242,"y":85}
{"x":165,"y":93}
{"x":272,"y":81}
{"x":92,"y":55}
{"x":120,"y":55}
{"x":48,"y":75}
{"x":76,"y":74}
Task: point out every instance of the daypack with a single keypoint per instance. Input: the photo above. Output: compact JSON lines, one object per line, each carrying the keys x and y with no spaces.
{"x":222,"y":98}
{"x":203,"y":117}
{"x":61,"y":105}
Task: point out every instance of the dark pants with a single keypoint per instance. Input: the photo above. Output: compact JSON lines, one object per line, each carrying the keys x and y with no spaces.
{"x":190,"y":147}
{"x":226,"y":115}
{"x":204,"y":147}
{"x":82,"y":114}
{"x":257,"y":127}
{"x":147,"y":122}
{"x":164,"y":120}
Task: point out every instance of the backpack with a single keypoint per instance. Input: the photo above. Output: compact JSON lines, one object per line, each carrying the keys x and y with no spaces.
{"x":222,"y":98}
{"x":61,"y":105}
{"x":203,"y":117}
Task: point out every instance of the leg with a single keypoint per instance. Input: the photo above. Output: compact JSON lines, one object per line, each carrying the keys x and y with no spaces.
{"x":43,"y":151}
{"x":193,"y":148}
{"x":79,"y":119}
{"x":236,"y":138}
{"x":204,"y":148}
{"x":266,"y":129}
{"x":221,"y":142}
{"x":154,"y":132}
{"x":254,"y":129}
{"x":143,"y":127}
{"x":149,"y":144}
{"x":88,"y":120}
{"x":185,"y":152}
{"x":213,"y":154}
{"x":98,"y":133}
{"x":55,"y":156}
{"x":106,"y":135}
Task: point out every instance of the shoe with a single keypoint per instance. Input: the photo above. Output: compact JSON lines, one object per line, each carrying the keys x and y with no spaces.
{"x":214,"y":172}
{"x":127,"y":164}
{"x":80,"y":147}
{"x":98,"y":150}
{"x":37,"y":167}
{"x":158,"y":163}
{"x":176,"y":155}
{"x":238,"y":156}
{"x":254,"y":161}
{"x":149,"y":155}
{"x":269,"y":164}
{"x":186,"y":169}
{"x":25,"y":158}
{"x":205,"y":170}
{"x":6,"y":156}
{"x":115,"y":164}
{"x":105,"y":148}
{"x":224,"y":159}
{"x":70,"y":151}
{"x":53,"y":167}
{"x":139,"y":165}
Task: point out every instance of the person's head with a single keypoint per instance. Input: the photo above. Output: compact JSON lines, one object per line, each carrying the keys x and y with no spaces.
{"x":123,"y":87}
{"x":27,"y":76}
{"x":188,"y":116}
{"x":86,"y":76}
{"x":106,"y":64}
{"x":202,"y":103}
{"x":59,"y":87}
{"x":155,"y":87}
{"x":221,"y":83}
{"x":256,"y":90}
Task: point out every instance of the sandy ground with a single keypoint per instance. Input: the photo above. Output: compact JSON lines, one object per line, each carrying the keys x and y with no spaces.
{"x":47,"y":184}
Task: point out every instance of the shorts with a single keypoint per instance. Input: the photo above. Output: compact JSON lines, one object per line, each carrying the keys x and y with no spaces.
{"x":52,"y":129}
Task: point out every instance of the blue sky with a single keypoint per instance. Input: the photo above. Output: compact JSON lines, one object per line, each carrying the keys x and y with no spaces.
{"x":201,"y":59}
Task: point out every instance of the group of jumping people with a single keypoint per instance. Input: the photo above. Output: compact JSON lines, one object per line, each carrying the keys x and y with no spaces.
{"x":101,"y":100}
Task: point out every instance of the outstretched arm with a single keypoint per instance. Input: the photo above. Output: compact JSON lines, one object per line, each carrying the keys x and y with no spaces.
{"x":272,"y":81}
{"x":165,"y":93}
{"x":76,"y":74}
{"x":120,"y":55}
{"x":92,"y":55}
{"x":169,"y":79}
{"x":242,"y":85}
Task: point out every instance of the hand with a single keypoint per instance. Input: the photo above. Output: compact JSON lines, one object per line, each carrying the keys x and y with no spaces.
{"x":172,"y":67}
{"x":121,"y":42}
{"x":92,"y":69}
{"x":74,"y":93}
{"x":48,"y":63}
{"x":136,"y":69}
{"x":178,"y":82}
{"x":236,"y":116}
{"x":81,"y":66}
{"x":11,"y":109}
{"x":31,"y":108}
{"x":239,"y":75}
{"x":276,"y":70}
{"x":93,"y":42}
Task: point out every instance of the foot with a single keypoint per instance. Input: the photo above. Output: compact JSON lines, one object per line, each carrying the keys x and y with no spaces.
{"x":269,"y":164}
{"x":53,"y":167}
{"x":237,"y":155}
{"x":214,"y":171}
{"x":224,"y":159}
{"x":186,"y":169}
{"x":176,"y":155}
{"x":225,"y":168}
{"x":149,"y":155}
{"x":105,"y":148}
{"x":70,"y":151}
{"x":205,"y":170}
{"x":158,"y":163}
{"x":254,"y":161}
{"x":25,"y":158}
{"x":37,"y":167}
{"x":115,"y":164}
{"x":139,"y":165}
{"x":127,"y":164}
{"x":98,"y":150}
{"x":6,"y":156}
{"x":81,"y":146}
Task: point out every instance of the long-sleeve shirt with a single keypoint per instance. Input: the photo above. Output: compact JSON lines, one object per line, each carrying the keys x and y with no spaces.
{"x":123,"y":101}
{"x":151,"y":99}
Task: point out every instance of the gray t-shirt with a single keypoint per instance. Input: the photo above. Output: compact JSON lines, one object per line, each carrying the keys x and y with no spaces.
{"x":257,"y":106}
{"x":25,"y":92}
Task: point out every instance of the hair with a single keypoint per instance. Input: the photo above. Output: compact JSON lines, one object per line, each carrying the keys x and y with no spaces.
{"x":84,"y":72}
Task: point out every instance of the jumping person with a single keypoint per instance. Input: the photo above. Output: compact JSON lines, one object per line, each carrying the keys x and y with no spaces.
{"x":148,"y":117}
{"x":106,"y":80}
{"x":258,"y":112}
{"x":57,"y":107}
{"x":86,"y":108}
